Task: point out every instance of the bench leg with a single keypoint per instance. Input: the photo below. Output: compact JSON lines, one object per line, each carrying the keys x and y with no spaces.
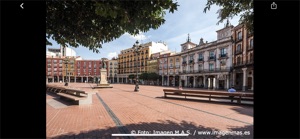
{"x":239,"y":100}
{"x":231,"y":98}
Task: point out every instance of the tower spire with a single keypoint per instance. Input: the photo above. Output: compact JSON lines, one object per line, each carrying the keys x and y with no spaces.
{"x":188,"y":39}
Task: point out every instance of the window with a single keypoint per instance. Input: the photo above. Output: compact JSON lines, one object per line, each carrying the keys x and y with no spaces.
{"x":200,"y":67}
{"x":211,"y":54}
{"x":223,"y":52}
{"x":251,"y":43}
{"x":200,"y":56}
{"x":239,"y":61}
{"x":177,"y":59}
{"x":239,"y":35}
{"x":191,"y":57}
{"x":238,"y":48}
{"x":211,"y":66}
{"x":184,"y":59}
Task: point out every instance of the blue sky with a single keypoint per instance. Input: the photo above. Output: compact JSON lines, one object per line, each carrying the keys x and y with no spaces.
{"x":189,"y":18}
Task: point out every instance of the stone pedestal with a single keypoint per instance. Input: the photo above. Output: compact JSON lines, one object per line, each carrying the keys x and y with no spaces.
{"x":103,"y":80}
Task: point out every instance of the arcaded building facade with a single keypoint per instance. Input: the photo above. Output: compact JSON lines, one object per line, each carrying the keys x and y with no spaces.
{"x":207,"y":65}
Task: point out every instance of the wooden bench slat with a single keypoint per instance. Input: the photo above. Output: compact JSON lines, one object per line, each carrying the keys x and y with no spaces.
{"x":71,"y":96}
{"x":204,"y":96}
{"x":209,"y":94}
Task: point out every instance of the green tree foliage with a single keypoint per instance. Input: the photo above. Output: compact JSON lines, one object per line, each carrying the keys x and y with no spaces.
{"x":231,"y":8}
{"x":144,"y":76}
{"x":92,"y":23}
{"x":153,"y":76}
{"x":131,"y":76}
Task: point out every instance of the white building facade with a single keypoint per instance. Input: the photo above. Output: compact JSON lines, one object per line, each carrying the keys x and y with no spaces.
{"x":207,"y":65}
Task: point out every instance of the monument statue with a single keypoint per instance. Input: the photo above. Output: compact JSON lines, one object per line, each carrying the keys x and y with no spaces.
{"x":103,"y":64}
{"x":102,"y":81}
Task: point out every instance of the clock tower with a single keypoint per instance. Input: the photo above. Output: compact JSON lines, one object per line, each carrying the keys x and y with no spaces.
{"x":187,"y":45}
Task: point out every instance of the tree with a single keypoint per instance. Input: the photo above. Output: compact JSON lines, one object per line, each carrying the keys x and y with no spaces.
{"x":131,"y":76}
{"x":144,"y":76}
{"x":92,"y":23}
{"x":231,"y":8}
{"x":153,"y":76}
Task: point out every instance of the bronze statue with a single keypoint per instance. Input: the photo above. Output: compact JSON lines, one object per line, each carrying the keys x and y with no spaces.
{"x":103,"y":64}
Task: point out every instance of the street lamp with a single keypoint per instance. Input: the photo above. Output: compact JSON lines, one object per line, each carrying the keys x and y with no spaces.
{"x":136,"y":50}
{"x":66,"y":61}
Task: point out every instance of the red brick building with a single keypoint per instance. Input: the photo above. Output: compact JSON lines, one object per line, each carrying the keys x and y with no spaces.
{"x":57,"y":69}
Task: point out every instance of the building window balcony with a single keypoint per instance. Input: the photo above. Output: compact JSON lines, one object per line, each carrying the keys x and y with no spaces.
{"x":211,"y":58}
{"x":200,"y":59}
{"x":191,"y":61}
{"x":238,"y":52}
{"x":184,"y":63}
{"x":221,"y":56}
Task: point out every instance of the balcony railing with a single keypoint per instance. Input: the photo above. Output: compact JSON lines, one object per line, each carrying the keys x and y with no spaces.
{"x":200,"y":59}
{"x":211,"y":58}
{"x":184,"y":62}
{"x":238,"y":52}
{"x":206,"y":71}
{"x":191,"y":61}
{"x":177,"y":66}
{"x":223,"y":56}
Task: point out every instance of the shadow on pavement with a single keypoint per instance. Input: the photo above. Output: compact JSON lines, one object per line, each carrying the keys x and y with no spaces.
{"x":243,"y":110}
{"x":194,"y":131}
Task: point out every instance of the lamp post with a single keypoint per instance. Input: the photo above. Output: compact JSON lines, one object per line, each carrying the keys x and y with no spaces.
{"x":66,"y":61}
{"x":136,"y":49}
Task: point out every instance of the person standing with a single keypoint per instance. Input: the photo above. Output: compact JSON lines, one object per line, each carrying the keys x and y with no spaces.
{"x":231,"y":90}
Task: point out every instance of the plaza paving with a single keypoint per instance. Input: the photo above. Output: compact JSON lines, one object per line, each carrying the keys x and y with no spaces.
{"x":120,"y":110}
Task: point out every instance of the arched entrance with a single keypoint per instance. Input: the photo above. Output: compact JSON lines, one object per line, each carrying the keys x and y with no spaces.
{"x":191,"y":81}
{"x":171,"y":81}
{"x":176,"y":80}
{"x":199,"y":81}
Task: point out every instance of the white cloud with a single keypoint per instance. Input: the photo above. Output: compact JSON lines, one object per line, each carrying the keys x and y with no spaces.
{"x":111,"y":55}
{"x":139,"y":36}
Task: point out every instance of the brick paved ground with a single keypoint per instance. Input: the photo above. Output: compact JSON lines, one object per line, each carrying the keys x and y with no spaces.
{"x":145,"y":111}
